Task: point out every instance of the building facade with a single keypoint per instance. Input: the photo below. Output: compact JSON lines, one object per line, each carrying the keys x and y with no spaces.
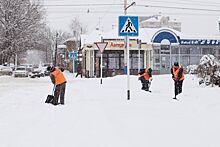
{"x":159,"y":49}
{"x":168,"y":47}
{"x":113,"y":58}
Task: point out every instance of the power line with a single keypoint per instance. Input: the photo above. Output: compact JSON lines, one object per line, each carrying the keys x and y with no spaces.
{"x":138,"y":12}
{"x":79,"y":5}
{"x":155,"y":6}
{"x":182,"y":8}
{"x":187,"y":3}
{"x":104,"y":14}
{"x":195,"y":1}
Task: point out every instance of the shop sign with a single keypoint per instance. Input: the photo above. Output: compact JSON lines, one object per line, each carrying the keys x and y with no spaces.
{"x":118,"y":45}
{"x":199,"y":42}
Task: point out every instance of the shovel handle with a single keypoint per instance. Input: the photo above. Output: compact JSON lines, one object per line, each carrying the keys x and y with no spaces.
{"x":53,"y":89}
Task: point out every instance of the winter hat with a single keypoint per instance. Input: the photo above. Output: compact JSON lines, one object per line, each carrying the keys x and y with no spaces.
{"x":176,"y":64}
{"x":150,"y":70}
{"x":50,"y":68}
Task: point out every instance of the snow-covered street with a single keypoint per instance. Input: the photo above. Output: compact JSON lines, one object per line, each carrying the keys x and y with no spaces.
{"x":96,"y":115}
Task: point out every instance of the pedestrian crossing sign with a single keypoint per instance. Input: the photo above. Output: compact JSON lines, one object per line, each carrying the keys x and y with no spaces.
{"x":128,"y":26}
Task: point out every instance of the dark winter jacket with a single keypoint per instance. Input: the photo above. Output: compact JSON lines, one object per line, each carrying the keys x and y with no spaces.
{"x":79,"y":69}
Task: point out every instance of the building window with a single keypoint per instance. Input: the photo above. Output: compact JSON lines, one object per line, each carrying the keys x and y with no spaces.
{"x":113,"y":61}
{"x":157,"y":60}
{"x":206,"y":51}
{"x":165,"y":49}
{"x":174,"y":50}
{"x":134,"y":57}
{"x":185,"y":51}
{"x":156,"y":51}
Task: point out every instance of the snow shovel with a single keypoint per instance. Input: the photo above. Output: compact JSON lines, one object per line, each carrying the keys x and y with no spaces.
{"x":50,"y":98}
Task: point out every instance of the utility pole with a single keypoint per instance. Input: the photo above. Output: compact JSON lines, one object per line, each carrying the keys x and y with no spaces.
{"x":126,"y":53}
{"x":55,"y":58}
{"x":139,"y":54}
{"x":125,"y":40}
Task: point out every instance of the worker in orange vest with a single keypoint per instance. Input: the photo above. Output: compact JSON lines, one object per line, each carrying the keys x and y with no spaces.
{"x":145,"y":76}
{"x":178,"y":77}
{"x":59,"y":80}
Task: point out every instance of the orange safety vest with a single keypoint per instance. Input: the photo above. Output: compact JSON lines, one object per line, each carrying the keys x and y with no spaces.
{"x":176,"y":72}
{"x":146,"y":75}
{"x":59,"y":76}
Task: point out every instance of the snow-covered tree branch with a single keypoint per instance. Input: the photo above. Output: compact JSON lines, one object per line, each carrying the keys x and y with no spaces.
{"x":21,"y":27}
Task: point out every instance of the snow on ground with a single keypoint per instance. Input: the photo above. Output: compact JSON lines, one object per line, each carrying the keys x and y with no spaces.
{"x":98,"y":115}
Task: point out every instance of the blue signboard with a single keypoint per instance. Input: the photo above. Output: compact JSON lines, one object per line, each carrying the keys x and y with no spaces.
{"x":199,"y":42}
{"x":73,"y":55}
{"x":128,"y":26}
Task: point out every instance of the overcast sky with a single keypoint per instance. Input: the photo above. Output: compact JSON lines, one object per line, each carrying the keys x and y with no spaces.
{"x":197,"y":16}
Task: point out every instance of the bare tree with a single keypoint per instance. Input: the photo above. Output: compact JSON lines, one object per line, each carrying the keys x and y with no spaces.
{"x":77,"y":27}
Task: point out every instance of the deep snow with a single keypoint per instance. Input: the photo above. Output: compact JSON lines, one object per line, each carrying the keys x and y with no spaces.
{"x":98,"y":115}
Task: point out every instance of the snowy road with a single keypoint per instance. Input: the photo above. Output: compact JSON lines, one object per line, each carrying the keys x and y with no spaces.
{"x":100,"y":116}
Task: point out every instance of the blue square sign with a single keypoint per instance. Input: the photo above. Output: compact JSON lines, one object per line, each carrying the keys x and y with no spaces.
{"x":73,"y":55}
{"x":128,"y":26}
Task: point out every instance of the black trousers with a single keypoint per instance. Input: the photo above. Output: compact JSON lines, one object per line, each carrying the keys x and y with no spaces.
{"x":79,"y":74}
{"x":59,"y":92}
{"x":145,"y":84}
{"x":178,"y":87}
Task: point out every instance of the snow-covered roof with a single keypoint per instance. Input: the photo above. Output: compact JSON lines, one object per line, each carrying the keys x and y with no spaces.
{"x":61,"y":46}
{"x":70,"y":39}
{"x":151,"y":20}
{"x":94,"y":36}
{"x":145,"y":35}
{"x":187,"y":36}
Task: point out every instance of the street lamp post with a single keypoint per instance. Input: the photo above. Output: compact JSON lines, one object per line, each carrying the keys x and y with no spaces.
{"x":126,"y":52}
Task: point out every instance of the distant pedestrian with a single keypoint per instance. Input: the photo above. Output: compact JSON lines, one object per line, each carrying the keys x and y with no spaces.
{"x":59,"y":81}
{"x":79,"y":70}
{"x":178,"y":77}
{"x":145,"y":76}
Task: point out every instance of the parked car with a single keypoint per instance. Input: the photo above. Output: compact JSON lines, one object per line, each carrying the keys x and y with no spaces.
{"x":46,"y":73}
{"x":29,"y":68}
{"x":5,"y":70}
{"x":21,"y":71}
{"x":35,"y":74}
{"x":44,"y":70}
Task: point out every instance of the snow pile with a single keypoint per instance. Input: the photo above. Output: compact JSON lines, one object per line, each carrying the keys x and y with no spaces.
{"x":96,"y":115}
{"x":208,"y":61}
{"x":192,"y":69}
{"x":208,"y":70}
